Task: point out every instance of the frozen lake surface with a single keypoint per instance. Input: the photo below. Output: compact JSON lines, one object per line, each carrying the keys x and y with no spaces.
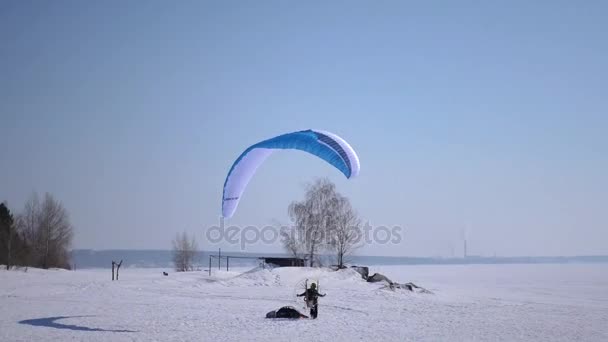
{"x":539,"y":302}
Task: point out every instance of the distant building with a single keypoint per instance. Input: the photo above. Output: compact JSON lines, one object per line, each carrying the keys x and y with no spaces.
{"x":285,"y":262}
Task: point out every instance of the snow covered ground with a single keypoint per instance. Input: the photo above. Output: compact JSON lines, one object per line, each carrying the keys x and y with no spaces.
{"x":566,"y":302}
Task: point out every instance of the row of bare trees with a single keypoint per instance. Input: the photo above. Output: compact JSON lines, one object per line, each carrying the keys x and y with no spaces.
{"x":39,"y":236}
{"x":324,"y":221}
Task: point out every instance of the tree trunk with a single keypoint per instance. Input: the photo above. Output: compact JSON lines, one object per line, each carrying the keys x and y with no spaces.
{"x":311,"y":257}
{"x":8,"y":250}
{"x":46,"y":251}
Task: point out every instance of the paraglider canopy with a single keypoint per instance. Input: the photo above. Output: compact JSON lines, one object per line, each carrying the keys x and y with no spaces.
{"x":325,"y":145}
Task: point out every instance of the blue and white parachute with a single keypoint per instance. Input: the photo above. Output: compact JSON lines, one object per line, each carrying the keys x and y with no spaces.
{"x":324,"y":145}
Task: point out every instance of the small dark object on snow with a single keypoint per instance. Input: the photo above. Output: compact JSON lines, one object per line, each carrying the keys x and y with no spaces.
{"x":286,"y":312}
{"x":165,"y":274}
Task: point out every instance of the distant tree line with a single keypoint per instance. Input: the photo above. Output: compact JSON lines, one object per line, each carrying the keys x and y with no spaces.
{"x":38,"y":236}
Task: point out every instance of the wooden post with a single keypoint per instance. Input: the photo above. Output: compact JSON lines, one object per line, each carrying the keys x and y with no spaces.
{"x":210,"y":265}
{"x":227,"y":262}
{"x":118,"y":268}
{"x":113,"y":263}
{"x":219,"y":259}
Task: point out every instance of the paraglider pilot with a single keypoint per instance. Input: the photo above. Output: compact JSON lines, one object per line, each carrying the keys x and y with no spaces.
{"x":311,"y":297}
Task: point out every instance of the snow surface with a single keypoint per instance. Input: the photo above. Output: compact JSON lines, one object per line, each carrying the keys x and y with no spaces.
{"x":564,"y":302}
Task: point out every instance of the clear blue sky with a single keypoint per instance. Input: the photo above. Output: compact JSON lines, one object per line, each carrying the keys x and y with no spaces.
{"x":482,"y":118}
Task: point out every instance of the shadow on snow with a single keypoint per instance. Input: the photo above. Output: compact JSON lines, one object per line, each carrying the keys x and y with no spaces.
{"x":51,"y":322}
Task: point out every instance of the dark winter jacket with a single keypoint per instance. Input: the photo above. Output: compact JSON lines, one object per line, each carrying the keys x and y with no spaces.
{"x":311,"y":294}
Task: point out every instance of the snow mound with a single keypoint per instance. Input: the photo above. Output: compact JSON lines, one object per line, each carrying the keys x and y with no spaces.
{"x":292,"y":277}
{"x":255,"y":277}
{"x":295,"y":276}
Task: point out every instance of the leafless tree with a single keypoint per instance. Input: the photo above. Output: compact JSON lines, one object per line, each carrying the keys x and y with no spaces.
{"x":29,"y":224}
{"x":312,"y":218}
{"x":48,"y":232}
{"x":291,"y":244}
{"x":345,"y":230}
{"x":56,"y":233}
{"x":289,"y":239}
{"x":185,"y":250}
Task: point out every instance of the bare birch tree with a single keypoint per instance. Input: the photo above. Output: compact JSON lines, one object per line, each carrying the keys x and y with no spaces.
{"x":312,"y":218}
{"x":185,"y":250}
{"x":29,"y":224}
{"x":48,"y":232}
{"x":345,"y":231}
{"x":56,"y":233}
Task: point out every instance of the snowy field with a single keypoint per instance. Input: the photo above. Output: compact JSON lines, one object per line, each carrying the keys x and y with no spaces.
{"x":470,"y":303}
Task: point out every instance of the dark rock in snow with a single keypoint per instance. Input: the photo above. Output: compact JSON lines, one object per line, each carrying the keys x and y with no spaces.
{"x":377,"y":277}
{"x":408,"y":286}
{"x":362,"y":270}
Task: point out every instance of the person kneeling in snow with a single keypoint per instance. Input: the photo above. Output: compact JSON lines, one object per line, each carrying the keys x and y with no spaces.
{"x":312,"y":299}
